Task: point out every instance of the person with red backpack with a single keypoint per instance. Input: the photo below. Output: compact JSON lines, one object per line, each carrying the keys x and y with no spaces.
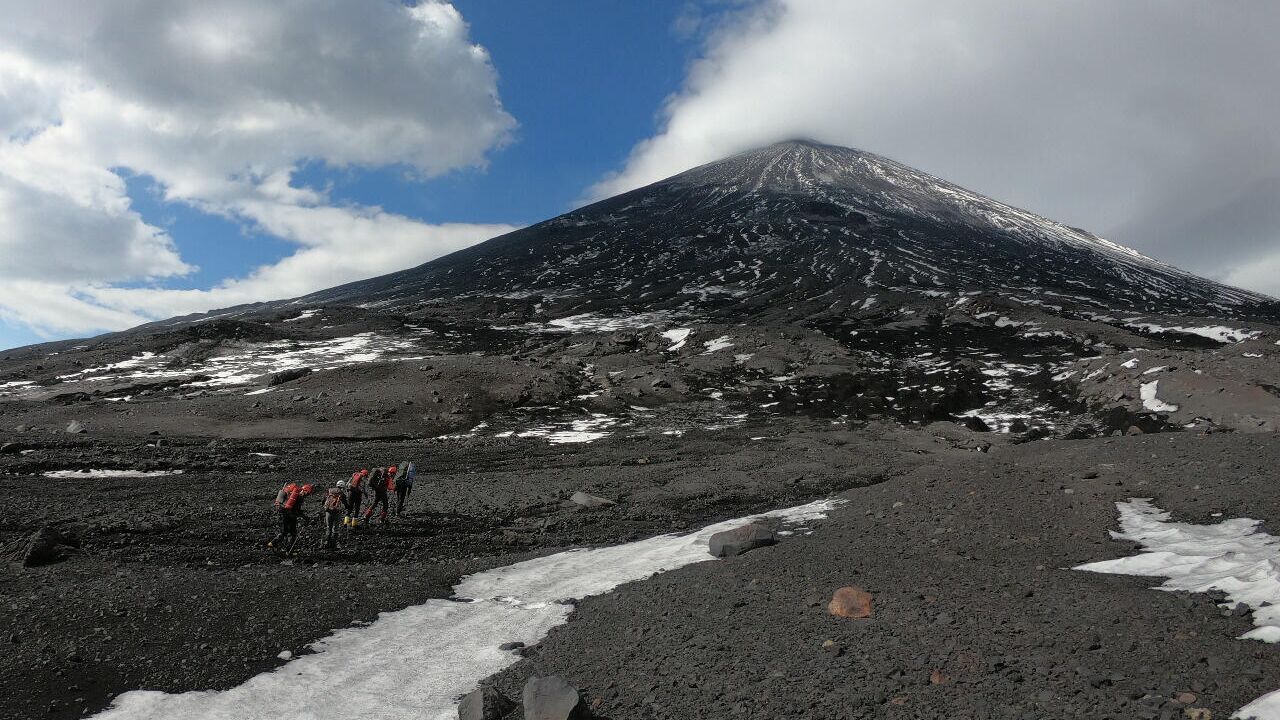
{"x":335,"y":501}
{"x":381,"y":482}
{"x":289,"y":506}
{"x":355,"y":496}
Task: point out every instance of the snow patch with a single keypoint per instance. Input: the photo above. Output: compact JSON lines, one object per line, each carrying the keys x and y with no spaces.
{"x":590,"y":322}
{"x":1153,"y":403}
{"x":76,"y":474}
{"x":719,"y":343}
{"x":678,"y":337}
{"x":1231,"y":556}
{"x":416,"y":662}
{"x":1218,"y":333}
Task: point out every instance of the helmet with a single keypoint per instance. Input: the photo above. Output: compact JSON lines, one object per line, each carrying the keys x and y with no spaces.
{"x":343,"y":484}
{"x":391,"y":470}
{"x":308,"y":489}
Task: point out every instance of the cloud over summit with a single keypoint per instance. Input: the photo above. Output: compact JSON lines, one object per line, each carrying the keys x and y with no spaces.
{"x":1146,"y":121}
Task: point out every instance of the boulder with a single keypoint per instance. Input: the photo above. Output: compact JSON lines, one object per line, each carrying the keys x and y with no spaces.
{"x":75,"y":428}
{"x":46,"y":546}
{"x":284,"y":376}
{"x":850,"y":602}
{"x":741,"y":539}
{"x":484,"y":703}
{"x":553,"y":698}
{"x":590,"y":501}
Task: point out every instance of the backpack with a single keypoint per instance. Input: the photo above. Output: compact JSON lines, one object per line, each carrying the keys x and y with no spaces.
{"x":285,"y":494}
{"x":333,"y":499}
{"x":294,"y":499}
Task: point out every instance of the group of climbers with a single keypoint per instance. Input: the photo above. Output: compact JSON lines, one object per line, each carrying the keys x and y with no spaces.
{"x":342,"y":503}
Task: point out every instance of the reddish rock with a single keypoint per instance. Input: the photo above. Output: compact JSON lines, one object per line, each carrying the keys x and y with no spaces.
{"x":850,"y":602}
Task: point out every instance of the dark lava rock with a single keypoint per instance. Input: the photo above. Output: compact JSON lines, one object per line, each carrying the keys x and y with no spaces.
{"x":976,"y":424}
{"x":285,"y":376}
{"x":552,"y":698}
{"x":484,"y":703}
{"x":741,"y":539}
{"x":47,"y":546}
{"x":11,"y":448}
{"x":511,"y":646}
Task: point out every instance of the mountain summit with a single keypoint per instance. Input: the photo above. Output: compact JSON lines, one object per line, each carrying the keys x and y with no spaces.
{"x":799,"y":220}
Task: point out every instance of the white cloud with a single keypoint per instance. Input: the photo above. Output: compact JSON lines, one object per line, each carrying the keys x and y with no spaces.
{"x":1137,"y":120}
{"x":219,"y":101}
{"x":342,"y":244}
{"x":1262,"y":274}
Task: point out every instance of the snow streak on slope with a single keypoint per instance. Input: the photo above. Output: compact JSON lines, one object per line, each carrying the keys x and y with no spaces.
{"x":415,"y":663}
{"x":1232,"y":556}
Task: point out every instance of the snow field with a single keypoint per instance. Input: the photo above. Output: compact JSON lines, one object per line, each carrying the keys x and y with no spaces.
{"x":417,"y":662}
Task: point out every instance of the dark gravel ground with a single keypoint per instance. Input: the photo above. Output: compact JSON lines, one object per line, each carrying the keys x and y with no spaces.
{"x":977,"y":612}
{"x":174,"y":590}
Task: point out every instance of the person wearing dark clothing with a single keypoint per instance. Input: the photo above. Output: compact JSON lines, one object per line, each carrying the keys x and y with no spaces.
{"x":289,"y":506}
{"x":355,"y":496}
{"x":404,"y":484}
{"x":335,"y":502}
{"x":380,"y":482}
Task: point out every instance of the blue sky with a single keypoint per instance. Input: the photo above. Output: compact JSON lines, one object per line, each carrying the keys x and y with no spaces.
{"x":584,"y":80}
{"x":165,"y":157}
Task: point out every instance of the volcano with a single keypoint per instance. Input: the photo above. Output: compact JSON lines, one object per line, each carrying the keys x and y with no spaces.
{"x":795,"y":278}
{"x":801,"y":222}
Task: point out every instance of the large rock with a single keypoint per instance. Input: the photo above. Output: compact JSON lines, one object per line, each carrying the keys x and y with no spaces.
{"x":285,"y":376}
{"x":741,"y":539}
{"x":553,"y":698}
{"x":850,"y":602}
{"x":484,"y":703}
{"x":590,"y":501}
{"x":47,"y":546}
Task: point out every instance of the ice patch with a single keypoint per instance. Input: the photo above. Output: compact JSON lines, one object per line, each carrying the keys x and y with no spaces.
{"x":1213,"y":332}
{"x":308,"y":313}
{"x":1151,"y":402}
{"x":678,"y":337}
{"x":719,"y":343}
{"x":590,"y":322}
{"x":1231,"y":556}
{"x":579,"y":431}
{"x":77,"y":474}
{"x":1131,"y":363}
{"x":416,"y":662}
{"x":253,"y":361}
